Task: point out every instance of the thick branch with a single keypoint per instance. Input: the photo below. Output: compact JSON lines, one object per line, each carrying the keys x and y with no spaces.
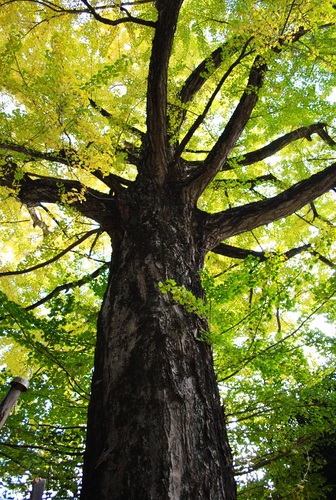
{"x":235,"y":126}
{"x":238,"y":220}
{"x":217,"y":157}
{"x":238,"y":119}
{"x":63,"y":156}
{"x":157,"y":88}
{"x":202,"y":116}
{"x":283,"y":141}
{"x":90,"y":203}
{"x":242,"y":253}
{"x":113,"y":181}
{"x":277,"y":145}
{"x":203,"y":72}
{"x":93,"y":204}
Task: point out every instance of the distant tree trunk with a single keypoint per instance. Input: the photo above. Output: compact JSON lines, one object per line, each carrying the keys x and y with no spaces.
{"x":156,"y":426}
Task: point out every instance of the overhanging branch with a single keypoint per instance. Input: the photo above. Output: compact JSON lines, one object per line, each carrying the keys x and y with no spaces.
{"x":91,"y":203}
{"x":66,"y":287}
{"x":283,"y":141}
{"x":220,"y":226}
{"x":64,"y":156}
{"x":114,"y":22}
{"x":241,"y":253}
{"x":53,"y":259}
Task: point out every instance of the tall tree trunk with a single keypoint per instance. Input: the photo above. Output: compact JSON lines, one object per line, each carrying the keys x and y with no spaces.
{"x":156,"y":426}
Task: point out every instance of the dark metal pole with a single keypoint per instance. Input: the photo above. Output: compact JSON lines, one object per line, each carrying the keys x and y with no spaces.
{"x":19,"y":385}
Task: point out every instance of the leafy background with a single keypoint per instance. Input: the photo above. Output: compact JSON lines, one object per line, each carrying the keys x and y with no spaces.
{"x":271,"y":317}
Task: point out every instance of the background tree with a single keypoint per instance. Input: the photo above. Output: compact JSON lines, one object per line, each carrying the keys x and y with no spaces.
{"x":169,"y":128}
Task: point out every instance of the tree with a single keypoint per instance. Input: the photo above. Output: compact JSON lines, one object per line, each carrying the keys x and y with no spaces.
{"x":153,"y":122}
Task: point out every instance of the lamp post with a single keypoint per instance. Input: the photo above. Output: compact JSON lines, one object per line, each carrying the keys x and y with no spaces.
{"x":19,"y":385}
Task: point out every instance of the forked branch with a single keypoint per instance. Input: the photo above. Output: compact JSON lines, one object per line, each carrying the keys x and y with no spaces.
{"x":89,"y":9}
{"x":217,"y":158}
{"x":201,"y":74}
{"x":180,"y":148}
{"x":234,"y":128}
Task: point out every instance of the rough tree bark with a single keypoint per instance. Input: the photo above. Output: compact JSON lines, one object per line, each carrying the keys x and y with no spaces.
{"x":156,"y":426}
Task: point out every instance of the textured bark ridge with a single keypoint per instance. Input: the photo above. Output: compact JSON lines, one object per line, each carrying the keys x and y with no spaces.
{"x":156,"y":426}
